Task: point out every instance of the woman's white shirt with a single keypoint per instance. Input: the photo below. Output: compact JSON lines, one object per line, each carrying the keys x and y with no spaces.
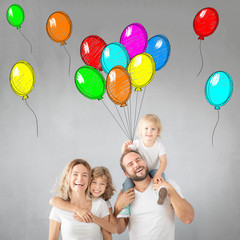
{"x":72,"y":229}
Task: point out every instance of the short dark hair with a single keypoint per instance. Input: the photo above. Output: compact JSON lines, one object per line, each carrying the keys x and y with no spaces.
{"x":124,"y":154}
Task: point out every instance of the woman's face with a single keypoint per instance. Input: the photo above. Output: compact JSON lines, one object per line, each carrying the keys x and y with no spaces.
{"x":79,"y":178}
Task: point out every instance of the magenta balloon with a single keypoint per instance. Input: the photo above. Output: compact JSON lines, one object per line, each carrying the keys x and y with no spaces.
{"x":134,"y":38}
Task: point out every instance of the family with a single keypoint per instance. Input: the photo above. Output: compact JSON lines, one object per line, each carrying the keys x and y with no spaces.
{"x":146,"y":204}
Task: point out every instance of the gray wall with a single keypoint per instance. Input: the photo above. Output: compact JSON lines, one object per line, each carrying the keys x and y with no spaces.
{"x":72,"y":126}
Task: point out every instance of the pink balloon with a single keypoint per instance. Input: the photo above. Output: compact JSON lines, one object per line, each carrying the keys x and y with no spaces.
{"x":134,"y":38}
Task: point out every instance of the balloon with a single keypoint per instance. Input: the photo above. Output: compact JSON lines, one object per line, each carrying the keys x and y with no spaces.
{"x":159,"y":48}
{"x":91,"y":50}
{"x":22,"y":79}
{"x":114,"y":54}
{"x":15,"y":15}
{"x":59,"y":27}
{"x":90,"y":82}
{"x":141,"y":69}
{"x":218,"y":89}
{"x":119,"y":86}
{"x":205,"y":22}
{"x":134,"y":38}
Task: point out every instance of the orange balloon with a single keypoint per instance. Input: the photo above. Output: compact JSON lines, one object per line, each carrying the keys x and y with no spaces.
{"x":119,"y":85}
{"x":59,"y":27}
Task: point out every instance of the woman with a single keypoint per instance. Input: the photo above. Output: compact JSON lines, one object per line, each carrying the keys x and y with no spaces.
{"x":74,"y":189}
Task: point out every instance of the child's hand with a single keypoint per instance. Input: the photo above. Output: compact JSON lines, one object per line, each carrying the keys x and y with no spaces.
{"x":159,"y":182}
{"x":125,"y":145}
{"x":83,"y":215}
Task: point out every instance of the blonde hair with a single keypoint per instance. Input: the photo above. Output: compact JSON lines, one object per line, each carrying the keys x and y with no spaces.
{"x":64,"y":190}
{"x":104,"y":172}
{"x":149,"y":118}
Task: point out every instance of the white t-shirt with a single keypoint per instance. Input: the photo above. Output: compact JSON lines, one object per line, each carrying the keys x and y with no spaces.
{"x":150,"y":154}
{"x":72,"y":229}
{"x":150,"y":221}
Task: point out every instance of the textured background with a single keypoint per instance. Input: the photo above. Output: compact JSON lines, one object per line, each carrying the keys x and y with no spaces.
{"x":72,"y":126}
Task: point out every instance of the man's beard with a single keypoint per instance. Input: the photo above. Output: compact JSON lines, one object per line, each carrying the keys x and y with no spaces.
{"x":139,"y":178}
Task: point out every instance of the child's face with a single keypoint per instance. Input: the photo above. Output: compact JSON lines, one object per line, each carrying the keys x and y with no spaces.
{"x":149,"y":131}
{"x":98,"y":186}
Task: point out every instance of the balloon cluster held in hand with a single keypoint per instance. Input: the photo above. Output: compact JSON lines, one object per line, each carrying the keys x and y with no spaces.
{"x":132,"y":61}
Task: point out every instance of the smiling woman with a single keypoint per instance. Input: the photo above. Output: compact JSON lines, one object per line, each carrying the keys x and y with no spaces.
{"x":73,"y":188}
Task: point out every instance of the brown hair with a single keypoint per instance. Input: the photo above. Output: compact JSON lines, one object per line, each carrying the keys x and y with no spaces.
{"x":104,"y":172}
{"x":124,"y":154}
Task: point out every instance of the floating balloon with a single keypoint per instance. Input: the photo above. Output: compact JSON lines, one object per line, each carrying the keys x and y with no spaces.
{"x":218,"y":89}
{"x":15,"y":15}
{"x":134,"y":38}
{"x":113,"y":55}
{"x":205,"y":22}
{"x":91,"y":50}
{"x":119,"y":86}
{"x":59,"y":27}
{"x":90,"y":82}
{"x":141,"y":69}
{"x":22,"y":79}
{"x":159,"y":48}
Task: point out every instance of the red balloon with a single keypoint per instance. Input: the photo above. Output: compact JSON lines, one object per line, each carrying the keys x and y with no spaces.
{"x":91,"y":50}
{"x":205,"y":22}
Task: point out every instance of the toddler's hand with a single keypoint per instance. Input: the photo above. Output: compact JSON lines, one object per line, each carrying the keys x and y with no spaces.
{"x":125,"y":145}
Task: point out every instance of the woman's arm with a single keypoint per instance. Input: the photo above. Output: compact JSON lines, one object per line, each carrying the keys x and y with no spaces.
{"x":109,"y":225}
{"x":83,"y":214}
{"x":54,"y":229}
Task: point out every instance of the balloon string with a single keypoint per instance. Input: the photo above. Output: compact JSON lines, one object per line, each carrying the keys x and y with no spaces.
{"x":215,"y":126}
{"x":34,"y":115}
{"x":121,"y":118}
{"x":140,"y":107}
{"x":200,"y":48}
{"x":130,"y":107}
{"x":136,"y":104}
{"x":127,"y":120}
{"x":130,"y":123}
{"x":69,"y":59}
{"x":114,"y":118}
{"x":26,"y":39}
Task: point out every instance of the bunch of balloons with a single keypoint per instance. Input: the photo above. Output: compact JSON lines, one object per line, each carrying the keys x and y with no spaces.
{"x":132,"y":61}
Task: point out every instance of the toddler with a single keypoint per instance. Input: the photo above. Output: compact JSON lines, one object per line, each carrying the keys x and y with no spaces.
{"x":153,"y":152}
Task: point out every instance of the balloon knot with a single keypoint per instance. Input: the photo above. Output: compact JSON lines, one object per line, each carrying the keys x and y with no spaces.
{"x":123,"y":105}
{"x":25,"y":97}
{"x":201,"y":38}
{"x":138,"y":89}
{"x":63,"y":43}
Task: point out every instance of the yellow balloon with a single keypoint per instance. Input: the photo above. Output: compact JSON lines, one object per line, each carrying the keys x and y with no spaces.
{"x":22,"y":79}
{"x":141,"y":69}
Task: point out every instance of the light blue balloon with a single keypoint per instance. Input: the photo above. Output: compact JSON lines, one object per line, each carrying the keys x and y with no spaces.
{"x":114,"y":54}
{"x":159,"y":48}
{"x":218,"y":89}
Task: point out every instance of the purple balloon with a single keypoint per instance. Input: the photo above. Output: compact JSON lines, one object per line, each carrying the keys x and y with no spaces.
{"x":134,"y":38}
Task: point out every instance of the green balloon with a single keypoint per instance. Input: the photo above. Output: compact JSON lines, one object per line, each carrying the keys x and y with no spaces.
{"x":15,"y":15}
{"x":90,"y":82}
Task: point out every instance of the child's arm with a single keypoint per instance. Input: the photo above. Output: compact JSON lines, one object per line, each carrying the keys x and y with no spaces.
{"x":106,"y":235}
{"x":109,"y":225}
{"x":125,"y":146}
{"x":161,"y":169}
{"x":58,"y":202}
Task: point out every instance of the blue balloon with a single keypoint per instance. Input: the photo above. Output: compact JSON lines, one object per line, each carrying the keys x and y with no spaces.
{"x":218,"y":89}
{"x":159,"y":48}
{"x":114,"y":54}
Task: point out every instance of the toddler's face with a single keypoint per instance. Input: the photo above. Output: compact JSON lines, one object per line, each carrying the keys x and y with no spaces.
{"x":149,"y":131}
{"x":98,"y":186}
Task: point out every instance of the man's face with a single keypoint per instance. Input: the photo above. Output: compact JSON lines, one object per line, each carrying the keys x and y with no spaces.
{"x":136,"y":168}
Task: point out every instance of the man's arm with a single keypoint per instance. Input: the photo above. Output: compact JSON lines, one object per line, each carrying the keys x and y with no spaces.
{"x":183,"y":209}
{"x":123,"y":200}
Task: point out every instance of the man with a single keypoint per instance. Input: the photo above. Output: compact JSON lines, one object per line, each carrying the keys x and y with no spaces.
{"x":148,"y":220}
